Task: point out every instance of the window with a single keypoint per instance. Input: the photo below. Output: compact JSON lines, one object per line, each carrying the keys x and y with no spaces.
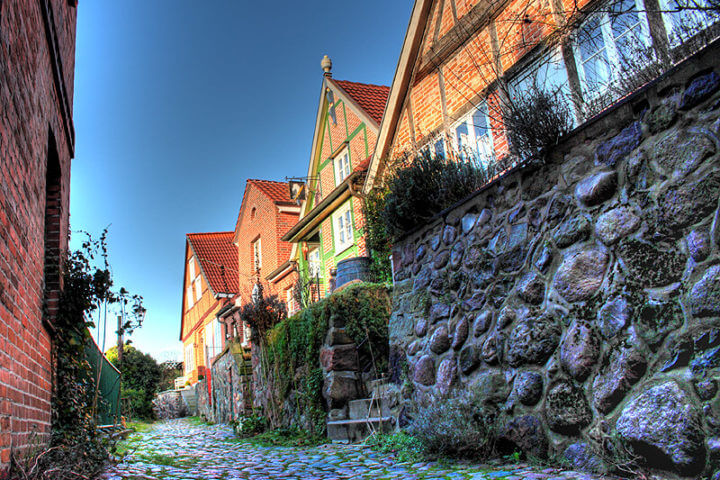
{"x":289,"y":298}
{"x":315,"y":269}
{"x":209,"y":346}
{"x":473,"y":138}
{"x":547,"y":74}
{"x":343,"y":229}
{"x":257,"y":254}
{"x":610,"y":42}
{"x":342,"y":166}
{"x":189,"y":297}
{"x":189,"y":358}
{"x":198,"y":289}
{"x":191,"y":267}
{"x":435,"y":147}
{"x":246,"y":335}
{"x":218,"y":340}
{"x":685,"y":18}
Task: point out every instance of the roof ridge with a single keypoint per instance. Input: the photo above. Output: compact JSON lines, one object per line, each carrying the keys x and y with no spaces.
{"x":263,"y":180}
{"x":210,"y":233}
{"x":363,"y":83}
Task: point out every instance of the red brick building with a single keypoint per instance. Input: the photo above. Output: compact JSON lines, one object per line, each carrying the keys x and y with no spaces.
{"x":267,"y":212}
{"x":37,"y":62}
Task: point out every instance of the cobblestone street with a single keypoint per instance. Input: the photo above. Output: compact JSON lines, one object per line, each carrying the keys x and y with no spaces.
{"x":180,"y":450}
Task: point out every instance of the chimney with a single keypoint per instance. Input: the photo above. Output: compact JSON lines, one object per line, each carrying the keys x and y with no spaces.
{"x":326,"y":65}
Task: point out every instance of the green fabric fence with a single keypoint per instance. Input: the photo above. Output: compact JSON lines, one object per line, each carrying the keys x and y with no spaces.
{"x":107,"y":378}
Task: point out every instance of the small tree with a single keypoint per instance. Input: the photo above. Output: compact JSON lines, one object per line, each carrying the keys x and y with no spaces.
{"x":140,"y":381}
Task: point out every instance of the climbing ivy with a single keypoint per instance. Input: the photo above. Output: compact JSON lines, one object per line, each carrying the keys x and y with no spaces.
{"x":291,"y":351}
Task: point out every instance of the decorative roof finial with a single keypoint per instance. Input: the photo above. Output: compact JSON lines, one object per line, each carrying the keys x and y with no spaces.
{"x":326,"y":65}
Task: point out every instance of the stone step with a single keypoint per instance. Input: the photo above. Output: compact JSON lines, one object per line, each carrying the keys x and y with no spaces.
{"x":357,"y":430}
{"x":367,"y":407}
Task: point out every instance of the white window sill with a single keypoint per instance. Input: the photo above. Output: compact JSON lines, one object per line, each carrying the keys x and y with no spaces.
{"x":341,"y":248}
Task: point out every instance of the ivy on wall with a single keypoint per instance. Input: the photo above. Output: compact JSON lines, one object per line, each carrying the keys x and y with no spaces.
{"x":290,"y":352}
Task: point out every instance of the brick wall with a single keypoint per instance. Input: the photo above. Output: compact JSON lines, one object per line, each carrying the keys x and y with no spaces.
{"x":262,"y":217}
{"x":36,"y":135}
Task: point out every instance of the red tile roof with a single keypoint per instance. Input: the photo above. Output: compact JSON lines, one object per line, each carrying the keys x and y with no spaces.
{"x":371,"y":98}
{"x":277,"y":191}
{"x":214,"y":251}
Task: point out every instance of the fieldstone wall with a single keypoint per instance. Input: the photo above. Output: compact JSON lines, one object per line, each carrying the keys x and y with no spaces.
{"x":231,"y":385}
{"x":582,"y":297}
{"x":204,"y":407}
{"x":170,"y":404}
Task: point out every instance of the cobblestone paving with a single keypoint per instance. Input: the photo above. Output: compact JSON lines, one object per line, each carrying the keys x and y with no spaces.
{"x":179,"y":450}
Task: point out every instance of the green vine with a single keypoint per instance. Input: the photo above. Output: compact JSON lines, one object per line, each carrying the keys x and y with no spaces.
{"x":291,"y":350}
{"x":77,"y":449}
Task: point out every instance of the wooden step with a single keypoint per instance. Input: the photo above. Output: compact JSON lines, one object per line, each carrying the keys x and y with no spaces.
{"x":364,"y":407}
{"x":357,"y":421}
{"x":357,"y":430}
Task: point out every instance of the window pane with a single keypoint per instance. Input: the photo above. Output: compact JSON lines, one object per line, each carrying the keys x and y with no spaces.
{"x":461,"y":137}
{"x":593,"y":58}
{"x":627,"y":31}
{"x":348,"y":226}
{"x":341,"y":231}
{"x":440,"y":148}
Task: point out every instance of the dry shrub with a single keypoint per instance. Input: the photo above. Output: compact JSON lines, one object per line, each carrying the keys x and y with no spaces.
{"x":536,"y":121}
{"x":460,"y":426}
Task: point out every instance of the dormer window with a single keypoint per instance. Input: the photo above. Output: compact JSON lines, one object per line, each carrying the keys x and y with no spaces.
{"x":342,"y":166}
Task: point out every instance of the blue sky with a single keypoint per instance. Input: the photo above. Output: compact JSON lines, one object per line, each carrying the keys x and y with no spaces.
{"x":178,"y":102}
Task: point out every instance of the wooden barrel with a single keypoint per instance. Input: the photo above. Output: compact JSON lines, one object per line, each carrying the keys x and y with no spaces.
{"x":356,"y":268}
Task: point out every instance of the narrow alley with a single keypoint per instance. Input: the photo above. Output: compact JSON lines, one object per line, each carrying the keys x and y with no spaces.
{"x":181,"y":450}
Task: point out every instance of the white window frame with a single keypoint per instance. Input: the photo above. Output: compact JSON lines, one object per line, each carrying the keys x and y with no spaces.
{"x":209,"y":346}
{"x":289,"y":297}
{"x":342,"y":166}
{"x":198,"y":289}
{"x":246,"y":335}
{"x":474,"y":146}
{"x":189,"y":296}
{"x":315,"y":269}
{"x":438,"y":146}
{"x":613,"y":64}
{"x":343,"y":228}
{"x":257,"y":254}
{"x":191,"y":267}
{"x":189,"y":358}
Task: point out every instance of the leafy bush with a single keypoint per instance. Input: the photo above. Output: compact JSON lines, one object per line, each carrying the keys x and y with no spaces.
{"x":377,"y":237}
{"x":264,"y":312}
{"x":251,"y":425}
{"x":140,"y":379}
{"x":405,"y":447}
{"x":422,"y":187}
{"x":461,"y":426}
{"x":536,"y":121}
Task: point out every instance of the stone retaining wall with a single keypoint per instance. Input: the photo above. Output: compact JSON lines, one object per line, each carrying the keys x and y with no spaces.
{"x":583,"y":296}
{"x":232,"y":397}
{"x":170,"y":404}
